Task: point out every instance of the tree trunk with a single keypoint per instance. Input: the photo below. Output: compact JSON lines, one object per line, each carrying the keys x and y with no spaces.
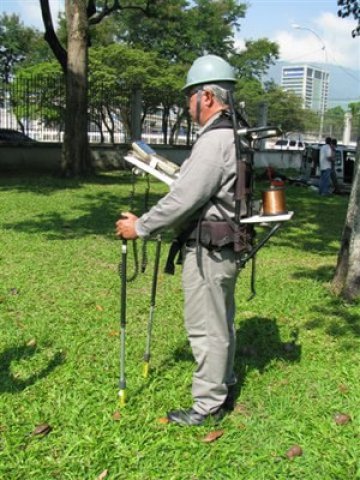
{"x":346,"y":281}
{"x":76,"y":156}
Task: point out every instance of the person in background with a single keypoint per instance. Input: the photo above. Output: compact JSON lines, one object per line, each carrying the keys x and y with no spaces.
{"x":326,"y":156}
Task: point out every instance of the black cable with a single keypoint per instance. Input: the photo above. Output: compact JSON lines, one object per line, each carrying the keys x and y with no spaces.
{"x":144,"y":258}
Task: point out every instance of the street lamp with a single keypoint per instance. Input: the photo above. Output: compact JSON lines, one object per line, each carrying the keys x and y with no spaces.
{"x":323,"y":48}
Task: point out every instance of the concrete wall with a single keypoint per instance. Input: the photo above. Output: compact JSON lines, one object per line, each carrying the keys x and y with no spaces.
{"x":45,"y":157}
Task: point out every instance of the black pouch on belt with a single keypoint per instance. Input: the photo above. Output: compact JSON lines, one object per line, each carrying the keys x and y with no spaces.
{"x":215,"y":234}
{"x":221,"y":234}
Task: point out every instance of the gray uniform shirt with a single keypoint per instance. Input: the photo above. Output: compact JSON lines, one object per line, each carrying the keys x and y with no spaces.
{"x":208,"y":173}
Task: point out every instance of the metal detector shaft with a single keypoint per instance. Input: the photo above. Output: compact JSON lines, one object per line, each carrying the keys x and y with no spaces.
{"x":259,"y":245}
{"x":122,"y":381}
{"x":252,"y":282}
{"x":152,"y":307}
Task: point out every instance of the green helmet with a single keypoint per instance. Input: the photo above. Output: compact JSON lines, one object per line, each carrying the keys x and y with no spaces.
{"x":209,"y":69}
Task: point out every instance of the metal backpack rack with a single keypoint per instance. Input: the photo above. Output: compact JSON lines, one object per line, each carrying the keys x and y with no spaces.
{"x":244,"y":188}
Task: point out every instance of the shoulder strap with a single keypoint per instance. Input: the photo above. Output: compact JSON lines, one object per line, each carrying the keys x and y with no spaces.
{"x":223,"y":121}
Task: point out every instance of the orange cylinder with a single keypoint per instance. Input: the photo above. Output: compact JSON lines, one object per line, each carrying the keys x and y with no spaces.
{"x":274,"y":201}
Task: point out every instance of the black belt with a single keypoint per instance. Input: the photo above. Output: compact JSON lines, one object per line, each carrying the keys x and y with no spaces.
{"x":193,"y":243}
{"x":174,"y":255}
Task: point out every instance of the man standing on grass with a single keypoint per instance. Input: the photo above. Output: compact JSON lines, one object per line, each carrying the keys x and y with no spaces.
{"x":204,"y":187}
{"x":326,"y":157}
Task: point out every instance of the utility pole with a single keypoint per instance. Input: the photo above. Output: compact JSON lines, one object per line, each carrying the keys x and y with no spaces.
{"x":324,"y":74}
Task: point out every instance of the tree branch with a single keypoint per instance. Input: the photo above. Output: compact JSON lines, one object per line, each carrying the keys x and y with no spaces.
{"x":50,"y":35}
{"x":91,"y":8}
{"x":97,"y":17}
{"x":350,"y":8}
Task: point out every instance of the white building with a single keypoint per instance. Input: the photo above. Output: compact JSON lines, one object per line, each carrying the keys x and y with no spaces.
{"x":308,"y":82}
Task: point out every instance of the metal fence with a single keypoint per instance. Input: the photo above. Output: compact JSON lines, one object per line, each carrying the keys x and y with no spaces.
{"x":36,"y":107}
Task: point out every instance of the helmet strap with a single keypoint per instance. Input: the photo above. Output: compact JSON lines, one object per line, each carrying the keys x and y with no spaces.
{"x":198,"y":106}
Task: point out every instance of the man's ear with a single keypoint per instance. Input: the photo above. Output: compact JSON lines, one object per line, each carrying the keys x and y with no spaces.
{"x":209,"y":98}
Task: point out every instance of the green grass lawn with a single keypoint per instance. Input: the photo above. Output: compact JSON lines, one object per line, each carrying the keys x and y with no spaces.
{"x":297,"y":357}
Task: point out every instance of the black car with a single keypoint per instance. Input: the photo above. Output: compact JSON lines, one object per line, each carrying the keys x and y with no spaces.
{"x":8,"y":136}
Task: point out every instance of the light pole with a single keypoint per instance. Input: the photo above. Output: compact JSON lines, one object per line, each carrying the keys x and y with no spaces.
{"x":323,"y":48}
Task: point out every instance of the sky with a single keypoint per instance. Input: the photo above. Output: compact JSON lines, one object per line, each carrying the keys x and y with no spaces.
{"x":322,"y":38}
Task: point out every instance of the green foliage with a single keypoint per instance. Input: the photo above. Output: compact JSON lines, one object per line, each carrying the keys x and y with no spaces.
{"x":355,"y":112}
{"x":20,"y":45}
{"x":116,"y":69}
{"x":180,"y":30}
{"x":131,"y":66}
{"x":154,"y":51}
{"x":311,"y":121}
{"x":354,"y":108}
{"x":297,"y":355}
{"x":210,"y":26}
{"x":41,"y":94}
{"x":350,"y":8}
{"x":251,"y":92}
{"x":284,"y":108}
{"x":256,"y":59}
{"x":106,"y":32}
{"x":334,"y":121}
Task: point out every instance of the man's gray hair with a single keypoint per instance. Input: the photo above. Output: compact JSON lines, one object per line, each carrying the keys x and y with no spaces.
{"x":221,"y":92}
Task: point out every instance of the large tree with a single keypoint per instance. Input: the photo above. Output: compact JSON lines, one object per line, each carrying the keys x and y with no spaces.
{"x":347,"y":275}
{"x":79,"y":14}
{"x":346,"y":281}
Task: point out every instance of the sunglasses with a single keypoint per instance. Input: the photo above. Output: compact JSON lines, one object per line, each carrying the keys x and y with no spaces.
{"x":192,"y":92}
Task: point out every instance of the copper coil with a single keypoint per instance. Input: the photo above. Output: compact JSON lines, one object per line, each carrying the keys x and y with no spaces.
{"x":274,"y":201}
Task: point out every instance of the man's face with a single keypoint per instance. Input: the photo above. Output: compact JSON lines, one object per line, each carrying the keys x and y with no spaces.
{"x":202,"y":104}
{"x":192,"y":102}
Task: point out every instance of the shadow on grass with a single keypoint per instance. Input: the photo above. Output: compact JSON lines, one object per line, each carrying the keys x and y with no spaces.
{"x":337,"y":320}
{"x":46,"y":184}
{"x":325,"y":273}
{"x":258,"y":344}
{"x":98,"y":213}
{"x":335,"y":317}
{"x":8,"y":382}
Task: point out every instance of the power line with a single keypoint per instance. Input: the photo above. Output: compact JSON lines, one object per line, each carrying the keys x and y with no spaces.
{"x":357,"y":78}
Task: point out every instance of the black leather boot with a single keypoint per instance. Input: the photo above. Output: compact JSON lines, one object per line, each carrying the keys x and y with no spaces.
{"x":187,"y":417}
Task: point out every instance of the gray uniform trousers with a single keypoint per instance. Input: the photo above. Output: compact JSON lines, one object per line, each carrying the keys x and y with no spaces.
{"x":209,"y":279}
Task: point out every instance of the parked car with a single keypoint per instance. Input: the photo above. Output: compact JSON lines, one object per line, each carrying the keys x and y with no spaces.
{"x":9,"y":136}
{"x":289,"y":144}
